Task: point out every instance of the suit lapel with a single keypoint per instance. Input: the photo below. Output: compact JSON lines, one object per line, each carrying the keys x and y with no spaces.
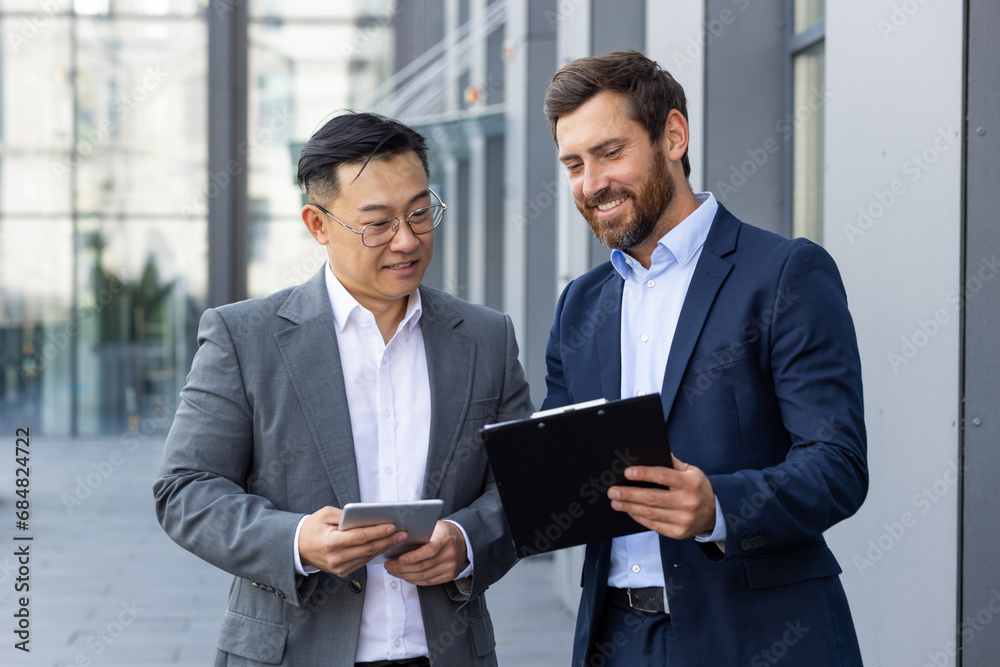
{"x":450,"y":366}
{"x":709,"y":275}
{"x":609,"y":338}
{"x":311,"y":356}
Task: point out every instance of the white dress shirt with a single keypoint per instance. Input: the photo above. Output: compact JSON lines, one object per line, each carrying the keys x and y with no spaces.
{"x":388,"y":396}
{"x":651,"y":306}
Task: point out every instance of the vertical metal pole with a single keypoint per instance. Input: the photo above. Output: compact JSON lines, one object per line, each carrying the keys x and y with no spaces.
{"x":228,"y":236}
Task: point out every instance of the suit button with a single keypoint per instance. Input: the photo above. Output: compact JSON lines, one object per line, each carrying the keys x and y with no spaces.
{"x":355,"y":586}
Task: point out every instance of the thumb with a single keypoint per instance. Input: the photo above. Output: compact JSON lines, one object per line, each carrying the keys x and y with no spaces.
{"x":679,"y":465}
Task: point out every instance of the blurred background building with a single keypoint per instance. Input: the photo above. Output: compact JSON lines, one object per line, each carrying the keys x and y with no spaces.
{"x":147,"y":171}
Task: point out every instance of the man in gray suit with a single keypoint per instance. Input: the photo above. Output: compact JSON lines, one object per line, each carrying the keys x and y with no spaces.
{"x":358,"y":385}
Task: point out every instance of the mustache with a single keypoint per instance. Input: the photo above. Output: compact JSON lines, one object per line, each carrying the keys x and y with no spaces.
{"x":604,"y":197}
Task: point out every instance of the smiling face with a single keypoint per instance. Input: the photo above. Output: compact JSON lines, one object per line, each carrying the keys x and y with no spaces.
{"x":380,"y":278}
{"x":620,"y":181}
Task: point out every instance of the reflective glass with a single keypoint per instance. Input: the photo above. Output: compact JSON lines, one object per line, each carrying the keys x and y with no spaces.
{"x":141,"y":291}
{"x":35,"y":183}
{"x":165,"y":7}
{"x":36,"y":259}
{"x":141,"y":117}
{"x":808,"y":12}
{"x":294,"y":89}
{"x":807,"y":161}
{"x":282,"y":254}
{"x":37,"y":92}
{"x":342,"y":9}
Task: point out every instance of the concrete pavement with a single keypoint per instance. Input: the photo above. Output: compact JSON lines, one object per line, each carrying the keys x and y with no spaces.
{"x":108,"y":587}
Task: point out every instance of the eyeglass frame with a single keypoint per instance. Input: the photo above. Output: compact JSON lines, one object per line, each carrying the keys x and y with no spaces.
{"x":398,"y":219}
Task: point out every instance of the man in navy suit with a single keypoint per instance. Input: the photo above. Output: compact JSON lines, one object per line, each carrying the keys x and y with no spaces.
{"x":748,"y":339}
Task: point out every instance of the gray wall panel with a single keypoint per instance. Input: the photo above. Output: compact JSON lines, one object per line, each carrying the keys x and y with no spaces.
{"x":744,"y":101}
{"x":981,"y":432}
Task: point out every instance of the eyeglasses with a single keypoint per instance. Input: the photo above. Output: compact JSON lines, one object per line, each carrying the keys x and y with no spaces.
{"x":379,"y":233}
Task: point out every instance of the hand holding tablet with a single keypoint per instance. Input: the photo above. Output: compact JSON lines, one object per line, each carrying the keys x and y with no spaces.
{"x":416,"y":517}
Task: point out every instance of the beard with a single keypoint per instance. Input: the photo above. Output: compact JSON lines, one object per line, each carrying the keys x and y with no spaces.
{"x":649,"y":202}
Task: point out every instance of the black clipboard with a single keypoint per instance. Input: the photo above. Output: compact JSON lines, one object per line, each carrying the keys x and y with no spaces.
{"x":553,"y":470}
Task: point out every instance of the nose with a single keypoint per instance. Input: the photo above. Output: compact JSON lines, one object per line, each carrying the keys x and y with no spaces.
{"x":404,"y":241}
{"x":593,"y":181}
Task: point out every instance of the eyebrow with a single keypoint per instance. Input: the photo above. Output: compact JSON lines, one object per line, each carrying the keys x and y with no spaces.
{"x":368,"y":208}
{"x":597,"y":148}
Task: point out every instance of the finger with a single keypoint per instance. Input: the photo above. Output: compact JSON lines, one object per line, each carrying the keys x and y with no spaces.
{"x":650,"y":513}
{"x":332,"y":515}
{"x":436,"y":575}
{"x":423,"y":553}
{"x":369,"y":542}
{"x":643,"y":496}
{"x":660,"y":475}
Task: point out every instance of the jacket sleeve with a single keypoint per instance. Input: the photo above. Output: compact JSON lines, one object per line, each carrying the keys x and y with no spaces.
{"x":201,"y":498}
{"x":816,"y":371}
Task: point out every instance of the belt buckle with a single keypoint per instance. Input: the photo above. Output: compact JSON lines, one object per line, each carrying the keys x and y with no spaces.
{"x":636,"y":602}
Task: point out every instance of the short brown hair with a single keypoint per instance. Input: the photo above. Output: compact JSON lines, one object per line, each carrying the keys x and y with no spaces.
{"x":651,"y":92}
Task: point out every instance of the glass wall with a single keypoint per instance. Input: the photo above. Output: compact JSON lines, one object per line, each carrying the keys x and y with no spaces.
{"x":102,"y":271}
{"x":808,"y":100}
{"x":307,"y":61}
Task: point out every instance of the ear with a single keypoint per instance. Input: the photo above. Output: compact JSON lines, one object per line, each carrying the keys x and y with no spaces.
{"x":315,"y":223}
{"x":675,"y":136}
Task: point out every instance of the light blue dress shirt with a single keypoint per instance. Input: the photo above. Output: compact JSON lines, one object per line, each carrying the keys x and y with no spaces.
{"x":651,"y":306}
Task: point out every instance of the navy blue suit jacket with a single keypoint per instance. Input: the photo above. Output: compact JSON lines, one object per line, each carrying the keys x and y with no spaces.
{"x":762,"y":391}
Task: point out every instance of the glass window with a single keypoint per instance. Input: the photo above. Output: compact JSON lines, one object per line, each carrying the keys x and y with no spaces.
{"x":101,"y":272}
{"x":807,"y":177}
{"x":294,"y":88}
{"x":807,"y":99}
{"x":141,"y":115}
{"x":36,"y":259}
{"x":140,"y":287}
{"x":808,"y":13}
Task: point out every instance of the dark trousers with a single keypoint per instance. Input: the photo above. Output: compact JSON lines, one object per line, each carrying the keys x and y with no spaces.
{"x":631,"y":638}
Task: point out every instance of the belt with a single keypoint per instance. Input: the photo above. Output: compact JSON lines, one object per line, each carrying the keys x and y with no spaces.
{"x":422,"y":661}
{"x":642,"y":599}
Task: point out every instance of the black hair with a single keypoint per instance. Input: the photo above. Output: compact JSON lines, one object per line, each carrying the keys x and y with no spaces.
{"x":353,"y":138}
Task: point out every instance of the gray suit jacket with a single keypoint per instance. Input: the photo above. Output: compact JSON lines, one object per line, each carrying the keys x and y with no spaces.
{"x":263,"y":436}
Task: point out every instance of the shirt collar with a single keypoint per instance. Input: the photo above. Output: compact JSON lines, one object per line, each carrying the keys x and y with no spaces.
{"x":344,"y":306}
{"x":682,"y":242}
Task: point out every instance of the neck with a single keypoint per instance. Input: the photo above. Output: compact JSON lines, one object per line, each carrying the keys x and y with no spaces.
{"x":388,"y":317}
{"x":683,"y":204}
